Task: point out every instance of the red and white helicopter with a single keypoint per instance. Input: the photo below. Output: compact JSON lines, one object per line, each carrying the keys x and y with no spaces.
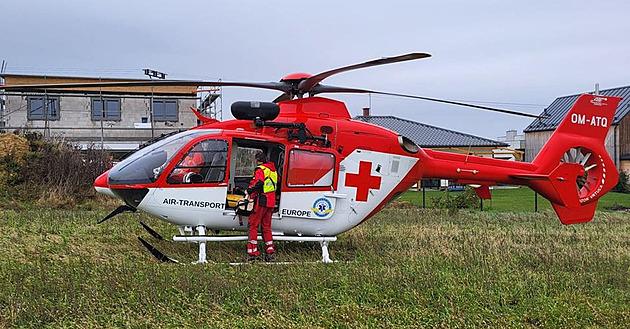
{"x":335,"y":172}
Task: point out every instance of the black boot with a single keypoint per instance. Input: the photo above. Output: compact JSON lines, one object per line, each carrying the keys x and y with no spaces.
{"x":270,"y":257}
{"x":251,"y":258}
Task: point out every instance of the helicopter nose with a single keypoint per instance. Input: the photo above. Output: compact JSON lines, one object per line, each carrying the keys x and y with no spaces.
{"x":101,"y":186}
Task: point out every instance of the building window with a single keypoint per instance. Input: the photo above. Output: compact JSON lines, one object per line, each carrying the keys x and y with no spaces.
{"x":307,"y":169}
{"x":112,"y":109}
{"x":43,"y":108}
{"x":206,"y":162}
{"x":164,"y":110}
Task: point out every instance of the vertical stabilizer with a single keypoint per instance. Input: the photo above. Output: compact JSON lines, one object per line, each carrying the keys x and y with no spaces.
{"x":575,"y":159}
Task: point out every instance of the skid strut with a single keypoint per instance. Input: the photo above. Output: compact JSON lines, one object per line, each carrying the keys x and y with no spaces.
{"x":201,"y":231}
{"x":201,"y":238}
{"x":325,"y":256}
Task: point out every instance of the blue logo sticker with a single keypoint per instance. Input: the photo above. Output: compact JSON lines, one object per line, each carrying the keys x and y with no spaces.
{"x":322,"y":207}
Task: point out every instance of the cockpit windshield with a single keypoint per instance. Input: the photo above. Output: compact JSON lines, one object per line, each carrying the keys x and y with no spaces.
{"x":147,"y":164}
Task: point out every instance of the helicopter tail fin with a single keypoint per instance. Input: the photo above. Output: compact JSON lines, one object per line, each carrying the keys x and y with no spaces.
{"x":574,"y":168}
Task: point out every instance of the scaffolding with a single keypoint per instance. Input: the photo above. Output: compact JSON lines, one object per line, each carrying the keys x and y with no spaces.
{"x":3,"y":98}
{"x":208,"y":105}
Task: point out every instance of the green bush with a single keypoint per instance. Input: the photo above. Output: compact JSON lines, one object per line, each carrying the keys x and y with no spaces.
{"x":623,"y":185}
{"x":467,"y":199}
{"x":10,"y":168}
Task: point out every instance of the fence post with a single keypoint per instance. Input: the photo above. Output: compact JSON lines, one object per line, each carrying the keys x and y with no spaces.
{"x":424,"y":198}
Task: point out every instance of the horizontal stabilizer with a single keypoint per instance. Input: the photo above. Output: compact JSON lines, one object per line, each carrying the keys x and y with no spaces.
{"x":563,"y":179}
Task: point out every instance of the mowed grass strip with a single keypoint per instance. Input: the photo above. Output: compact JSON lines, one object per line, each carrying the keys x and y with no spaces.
{"x":520,"y":199}
{"x":404,"y":268}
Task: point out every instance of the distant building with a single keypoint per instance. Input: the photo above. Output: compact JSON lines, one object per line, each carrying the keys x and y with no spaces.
{"x":515,"y":149}
{"x":436,"y":138}
{"x":617,"y":141}
{"x":120,"y":118}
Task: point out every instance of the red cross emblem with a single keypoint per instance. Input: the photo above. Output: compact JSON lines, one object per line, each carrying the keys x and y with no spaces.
{"x":363,"y":181}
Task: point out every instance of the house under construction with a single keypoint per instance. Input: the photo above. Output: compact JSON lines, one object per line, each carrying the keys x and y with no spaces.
{"x":115,"y":118}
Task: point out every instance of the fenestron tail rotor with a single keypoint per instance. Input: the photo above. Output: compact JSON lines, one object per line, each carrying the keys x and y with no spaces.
{"x":592,"y":174}
{"x":291,"y":86}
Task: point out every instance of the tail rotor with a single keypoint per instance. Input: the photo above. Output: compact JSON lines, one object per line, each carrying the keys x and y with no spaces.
{"x":594,"y":172}
{"x":576,"y":162}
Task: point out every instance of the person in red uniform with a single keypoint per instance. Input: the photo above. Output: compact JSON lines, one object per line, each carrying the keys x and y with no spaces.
{"x":189,"y":166}
{"x":263,"y":190}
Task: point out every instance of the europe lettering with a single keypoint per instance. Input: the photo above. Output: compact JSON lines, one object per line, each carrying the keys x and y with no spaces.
{"x":296,"y":213}
{"x":194,"y":203}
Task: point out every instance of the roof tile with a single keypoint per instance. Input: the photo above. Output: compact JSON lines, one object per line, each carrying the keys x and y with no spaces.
{"x":429,"y":136}
{"x":561,"y":106}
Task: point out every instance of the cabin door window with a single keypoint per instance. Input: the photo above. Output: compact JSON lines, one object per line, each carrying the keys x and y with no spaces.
{"x":243,"y":163}
{"x":310,"y":169}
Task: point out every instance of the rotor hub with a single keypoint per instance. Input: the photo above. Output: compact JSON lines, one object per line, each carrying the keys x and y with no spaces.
{"x":296,"y":77}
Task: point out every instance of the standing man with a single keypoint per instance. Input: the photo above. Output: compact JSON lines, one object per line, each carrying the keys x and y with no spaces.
{"x":263,"y":190}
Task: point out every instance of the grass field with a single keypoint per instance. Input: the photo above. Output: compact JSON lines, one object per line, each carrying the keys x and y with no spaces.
{"x":520,"y":199}
{"x":404,"y":268}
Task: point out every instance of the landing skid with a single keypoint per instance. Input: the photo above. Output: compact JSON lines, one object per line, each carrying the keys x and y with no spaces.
{"x":274,"y":263}
{"x":201,"y":238}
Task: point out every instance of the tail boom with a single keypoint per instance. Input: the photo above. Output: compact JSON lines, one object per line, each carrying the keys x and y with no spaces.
{"x":573,"y":170}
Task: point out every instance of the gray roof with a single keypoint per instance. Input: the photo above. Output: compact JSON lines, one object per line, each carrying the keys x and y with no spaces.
{"x":561,"y":106}
{"x":429,"y":136}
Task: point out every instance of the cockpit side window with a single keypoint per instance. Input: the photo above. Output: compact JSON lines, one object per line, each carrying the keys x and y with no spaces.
{"x":147,"y":164}
{"x":206,"y":162}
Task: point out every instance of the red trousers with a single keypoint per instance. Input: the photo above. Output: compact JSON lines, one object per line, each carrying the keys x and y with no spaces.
{"x":260,"y":215}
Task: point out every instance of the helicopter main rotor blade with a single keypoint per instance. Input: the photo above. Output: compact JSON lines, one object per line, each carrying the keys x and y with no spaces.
{"x":156,"y":253}
{"x":151,"y":231}
{"x":279,"y":86}
{"x":283,"y":97}
{"x":332,"y":89}
{"x":308,"y":84}
{"x":119,"y":210}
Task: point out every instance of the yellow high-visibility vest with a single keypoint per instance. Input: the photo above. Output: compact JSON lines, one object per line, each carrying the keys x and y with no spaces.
{"x":271,"y":178}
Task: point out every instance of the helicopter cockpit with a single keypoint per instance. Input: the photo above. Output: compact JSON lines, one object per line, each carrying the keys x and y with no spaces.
{"x":212,"y":161}
{"x":147,"y":164}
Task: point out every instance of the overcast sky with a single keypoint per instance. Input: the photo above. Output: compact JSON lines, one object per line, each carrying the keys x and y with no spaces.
{"x":517,"y":55}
